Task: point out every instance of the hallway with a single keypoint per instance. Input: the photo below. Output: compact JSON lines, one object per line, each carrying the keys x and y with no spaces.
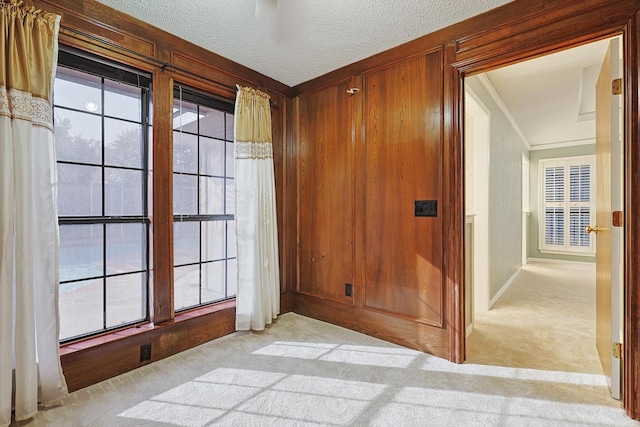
{"x":545,"y":320}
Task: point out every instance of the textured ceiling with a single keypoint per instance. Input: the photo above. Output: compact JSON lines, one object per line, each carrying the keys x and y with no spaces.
{"x":549,"y":98}
{"x":300,"y":39}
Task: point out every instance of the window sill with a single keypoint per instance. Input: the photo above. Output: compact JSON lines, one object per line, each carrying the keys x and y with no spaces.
{"x":108,"y":337}
{"x":131,"y":331}
{"x":569,"y":253}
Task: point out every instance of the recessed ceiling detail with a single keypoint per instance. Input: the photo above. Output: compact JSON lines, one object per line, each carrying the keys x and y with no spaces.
{"x":587,"y":97}
{"x":552,"y":98}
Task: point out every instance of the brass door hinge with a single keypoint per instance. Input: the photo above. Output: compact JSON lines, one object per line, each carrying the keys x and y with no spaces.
{"x":616,"y":87}
{"x":617,"y":219}
{"x":617,"y":350}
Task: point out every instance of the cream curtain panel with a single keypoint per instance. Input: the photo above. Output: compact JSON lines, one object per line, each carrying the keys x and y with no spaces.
{"x":29,"y":346}
{"x":258,"y":292}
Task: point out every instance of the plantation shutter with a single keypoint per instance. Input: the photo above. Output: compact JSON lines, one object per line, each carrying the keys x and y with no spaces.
{"x":580,"y":201}
{"x":567,"y":204}
{"x":554,"y":205}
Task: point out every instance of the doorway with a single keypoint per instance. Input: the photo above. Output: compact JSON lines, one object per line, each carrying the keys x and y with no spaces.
{"x":507,"y":160}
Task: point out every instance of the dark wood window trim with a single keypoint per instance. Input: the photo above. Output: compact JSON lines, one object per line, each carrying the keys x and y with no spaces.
{"x":96,"y":29}
{"x":89,"y":361}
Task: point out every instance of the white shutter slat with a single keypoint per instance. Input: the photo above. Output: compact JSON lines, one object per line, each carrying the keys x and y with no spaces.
{"x":554,"y":184}
{"x":554,"y":226}
{"x":579,"y":219}
{"x":579,"y":183}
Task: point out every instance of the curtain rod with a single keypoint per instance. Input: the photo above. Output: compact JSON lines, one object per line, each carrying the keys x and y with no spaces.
{"x":164,"y":65}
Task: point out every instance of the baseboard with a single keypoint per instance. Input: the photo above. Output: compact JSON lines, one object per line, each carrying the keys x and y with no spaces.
{"x":405,"y":332}
{"x":504,"y":288}
{"x":469,"y":329}
{"x":558,"y":261}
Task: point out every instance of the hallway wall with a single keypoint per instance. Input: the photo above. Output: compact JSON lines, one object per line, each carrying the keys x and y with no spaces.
{"x":505,"y":192}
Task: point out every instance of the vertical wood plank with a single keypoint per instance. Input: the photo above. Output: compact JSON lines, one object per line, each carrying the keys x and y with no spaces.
{"x":325,"y":156}
{"x":161,"y":289}
{"x":278,"y":122}
{"x":359,"y":167}
{"x":403,"y":152}
{"x":290,"y":200}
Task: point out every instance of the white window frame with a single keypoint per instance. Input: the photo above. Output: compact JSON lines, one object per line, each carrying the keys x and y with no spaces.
{"x":566,"y":204}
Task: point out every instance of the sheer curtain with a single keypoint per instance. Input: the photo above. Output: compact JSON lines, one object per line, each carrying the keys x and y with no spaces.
{"x":28,"y":222}
{"x":258,"y":293}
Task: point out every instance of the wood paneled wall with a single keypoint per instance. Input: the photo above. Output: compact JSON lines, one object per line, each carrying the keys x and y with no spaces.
{"x":400,"y":141}
{"x":341,"y":212}
{"x":347,"y":177}
{"x":402,"y":156}
{"x":326,"y":179}
{"x":92,"y":27}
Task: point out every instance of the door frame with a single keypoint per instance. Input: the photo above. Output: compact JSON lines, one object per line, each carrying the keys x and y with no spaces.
{"x":526,"y":209}
{"x":478,"y":59}
{"x":482,"y":161}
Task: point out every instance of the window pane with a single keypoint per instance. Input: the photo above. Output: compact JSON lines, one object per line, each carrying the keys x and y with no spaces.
{"x":106,"y":181}
{"x":186,"y":288}
{"x":126,"y":299}
{"x":203,"y":179}
{"x":231,"y":239}
{"x":230,"y":127}
{"x":150,"y":150}
{"x":150,"y":109}
{"x":213,"y":240}
{"x":81,"y":309}
{"x":122,"y":143}
{"x":81,"y":251}
{"x":230,"y":164}
{"x":78,"y":136}
{"x":185,"y":116}
{"x":123,"y":192}
{"x":186,"y":242}
{"x":185,"y":194}
{"x":213,"y":281}
{"x":77,"y":90}
{"x":122,"y":100}
{"x":125,"y":249}
{"x":232,"y":277}
{"x":230,"y":197}
{"x":79,"y":190}
{"x":185,"y":152}
{"x":212,"y":158}
{"x":212,"y":123}
{"x":212,"y":196}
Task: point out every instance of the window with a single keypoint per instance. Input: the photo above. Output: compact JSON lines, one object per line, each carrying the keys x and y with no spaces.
{"x":101,"y":127}
{"x":567,"y":205}
{"x":203,"y":202}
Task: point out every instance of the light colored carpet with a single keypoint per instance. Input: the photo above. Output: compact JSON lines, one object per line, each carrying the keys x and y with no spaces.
{"x":545,"y":320}
{"x":303,"y":372}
